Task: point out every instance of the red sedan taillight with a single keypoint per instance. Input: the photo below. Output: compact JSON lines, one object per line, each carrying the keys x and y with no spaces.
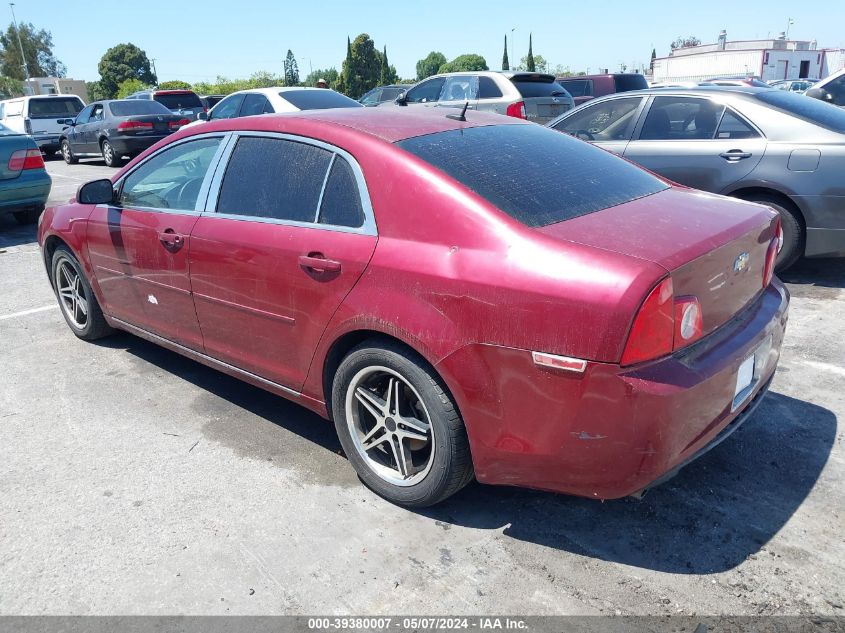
{"x":664,"y":324}
{"x":134,"y":125}
{"x":26,"y":159}
{"x":772,"y":254}
{"x":516,"y":110}
{"x":175,"y":125}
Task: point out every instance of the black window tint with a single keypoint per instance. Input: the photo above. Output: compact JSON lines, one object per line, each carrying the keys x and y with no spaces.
{"x":624,"y":83}
{"x":129,"y":108}
{"x":178,"y":100}
{"x":255,"y":104}
{"x":318,"y":98}
{"x":577,"y":87}
{"x":172,"y":178}
{"x":542,"y":87}
{"x":341,"y":201}
{"x":228,"y":108}
{"x":54,"y":107}
{"x":534,"y":174}
{"x":274,"y":178}
{"x":811,"y":110}
{"x":732,"y":127}
{"x":487,"y":88}
{"x":390,"y":94}
{"x":426,"y":92}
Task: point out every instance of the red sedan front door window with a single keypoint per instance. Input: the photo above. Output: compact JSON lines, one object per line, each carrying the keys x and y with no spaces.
{"x":139,"y":247}
{"x":292,"y":233}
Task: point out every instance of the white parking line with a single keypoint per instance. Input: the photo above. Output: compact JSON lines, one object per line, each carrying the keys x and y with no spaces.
{"x":834,"y":369}
{"x":14,"y":315}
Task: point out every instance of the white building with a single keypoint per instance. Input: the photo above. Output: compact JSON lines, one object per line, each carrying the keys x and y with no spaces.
{"x":769,"y":59}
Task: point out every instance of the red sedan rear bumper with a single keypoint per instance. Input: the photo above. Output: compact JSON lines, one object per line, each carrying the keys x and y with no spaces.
{"x":612,"y":431}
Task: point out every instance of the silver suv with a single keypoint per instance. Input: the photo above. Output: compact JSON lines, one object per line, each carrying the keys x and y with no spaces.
{"x":533,"y":96}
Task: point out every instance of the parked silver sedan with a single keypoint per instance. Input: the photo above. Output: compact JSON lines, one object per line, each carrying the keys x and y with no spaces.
{"x":768,"y":146}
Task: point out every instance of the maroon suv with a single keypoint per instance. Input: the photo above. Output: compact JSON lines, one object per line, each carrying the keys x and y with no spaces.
{"x":586,"y":87}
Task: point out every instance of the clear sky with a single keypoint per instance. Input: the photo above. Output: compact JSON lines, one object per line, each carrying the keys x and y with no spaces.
{"x":197,"y":40}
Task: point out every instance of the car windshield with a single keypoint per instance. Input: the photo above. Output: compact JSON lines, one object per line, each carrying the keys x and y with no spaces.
{"x":54,"y":107}
{"x":178,"y":100}
{"x":534,"y":174}
{"x":129,"y":108}
{"x":812,"y":110}
{"x":318,"y":99}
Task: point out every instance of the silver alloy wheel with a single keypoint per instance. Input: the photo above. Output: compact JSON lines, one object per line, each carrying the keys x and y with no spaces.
{"x":66,"y":151}
{"x":72,"y":295}
{"x":390,"y":425}
{"x":108,"y":153}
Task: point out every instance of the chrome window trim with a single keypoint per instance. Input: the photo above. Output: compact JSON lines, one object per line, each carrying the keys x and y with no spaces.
{"x":369,"y":226}
{"x":323,"y":189}
{"x":204,"y":188}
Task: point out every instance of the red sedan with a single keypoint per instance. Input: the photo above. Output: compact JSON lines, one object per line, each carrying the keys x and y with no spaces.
{"x":464,"y":298}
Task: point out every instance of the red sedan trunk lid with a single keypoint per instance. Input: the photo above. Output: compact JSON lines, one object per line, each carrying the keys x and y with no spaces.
{"x":714,"y":247}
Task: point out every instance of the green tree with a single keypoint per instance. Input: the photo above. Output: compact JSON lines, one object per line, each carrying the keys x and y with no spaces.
{"x":505,"y":64}
{"x":653,"y":57}
{"x":362,"y":68}
{"x":291,"y":70}
{"x":130,"y":86}
{"x":540,"y":64}
{"x":95,"y":91}
{"x":122,"y":62}
{"x":388,"y":74}
{"x":10,"y":87}
{"x":430,"y":65}
{"x":329,"y":74}
{"x":530,"y":65}
{"x":174,"y":84}
{"x":38,"y":52}
{"x":685,"y":42}
{"x":464,"y":63}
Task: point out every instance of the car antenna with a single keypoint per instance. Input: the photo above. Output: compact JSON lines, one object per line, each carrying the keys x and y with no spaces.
{"x":459,"y":117}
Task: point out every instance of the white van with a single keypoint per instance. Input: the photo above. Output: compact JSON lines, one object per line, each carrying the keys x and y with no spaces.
{"x":38,"y":116}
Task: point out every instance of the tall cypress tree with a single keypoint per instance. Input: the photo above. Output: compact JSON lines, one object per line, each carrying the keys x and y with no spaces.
{"x":384,"y":76}
{"x":343,"y":82}
{"x":653,"y":57}
{"x":529,"y":62}
{"x":505,"y":64}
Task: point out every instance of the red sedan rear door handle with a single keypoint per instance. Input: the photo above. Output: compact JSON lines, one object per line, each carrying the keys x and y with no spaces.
{"x":171,"y":240}
{"x":318,"y":263}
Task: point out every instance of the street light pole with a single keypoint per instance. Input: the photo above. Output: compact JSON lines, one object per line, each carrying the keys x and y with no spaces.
{"x":513,"y":61}
{"x":789,"y":22}
{"x":20,"y":44}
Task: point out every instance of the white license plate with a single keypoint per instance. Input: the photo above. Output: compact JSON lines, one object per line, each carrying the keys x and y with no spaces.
{"x":744,"y":378}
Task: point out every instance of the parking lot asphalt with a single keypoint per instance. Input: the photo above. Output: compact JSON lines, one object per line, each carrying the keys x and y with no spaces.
{"x":134,"y":481}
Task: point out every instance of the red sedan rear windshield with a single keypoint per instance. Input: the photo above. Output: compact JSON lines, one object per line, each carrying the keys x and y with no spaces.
{"x":534,"y":174}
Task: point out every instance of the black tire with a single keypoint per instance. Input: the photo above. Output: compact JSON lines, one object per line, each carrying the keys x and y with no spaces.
{"x":451,"y":463}
{"x":95,"y":325}
{"x":793,"y":230}
{"x":110,"y":156}
{"x":28,"y":216}
{"x":67,"y":153}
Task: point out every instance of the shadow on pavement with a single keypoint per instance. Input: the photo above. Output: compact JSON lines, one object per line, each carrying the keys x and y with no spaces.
{"x":717,"y":512}
{"x":14,"y":234}
{"x":828,"y":273}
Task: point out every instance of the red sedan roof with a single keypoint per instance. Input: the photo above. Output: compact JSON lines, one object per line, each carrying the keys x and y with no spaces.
{"x":397,"y":123}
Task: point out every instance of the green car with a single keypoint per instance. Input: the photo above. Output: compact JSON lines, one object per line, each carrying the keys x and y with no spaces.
{"x":24,"y":182}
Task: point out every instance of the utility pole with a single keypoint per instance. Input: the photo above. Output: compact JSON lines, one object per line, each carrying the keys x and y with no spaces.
{"x":789,"y":22}
{"x":20,"y":44}
{"x":514,"y":62}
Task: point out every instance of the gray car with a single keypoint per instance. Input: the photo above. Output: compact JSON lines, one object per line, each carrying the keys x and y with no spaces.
{"x":536,"y":97}
{"x":768,"y":146}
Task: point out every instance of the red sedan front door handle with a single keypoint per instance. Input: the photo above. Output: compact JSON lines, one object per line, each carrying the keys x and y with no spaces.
{"x":318,"y":263}
{"x":171,"y":240}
